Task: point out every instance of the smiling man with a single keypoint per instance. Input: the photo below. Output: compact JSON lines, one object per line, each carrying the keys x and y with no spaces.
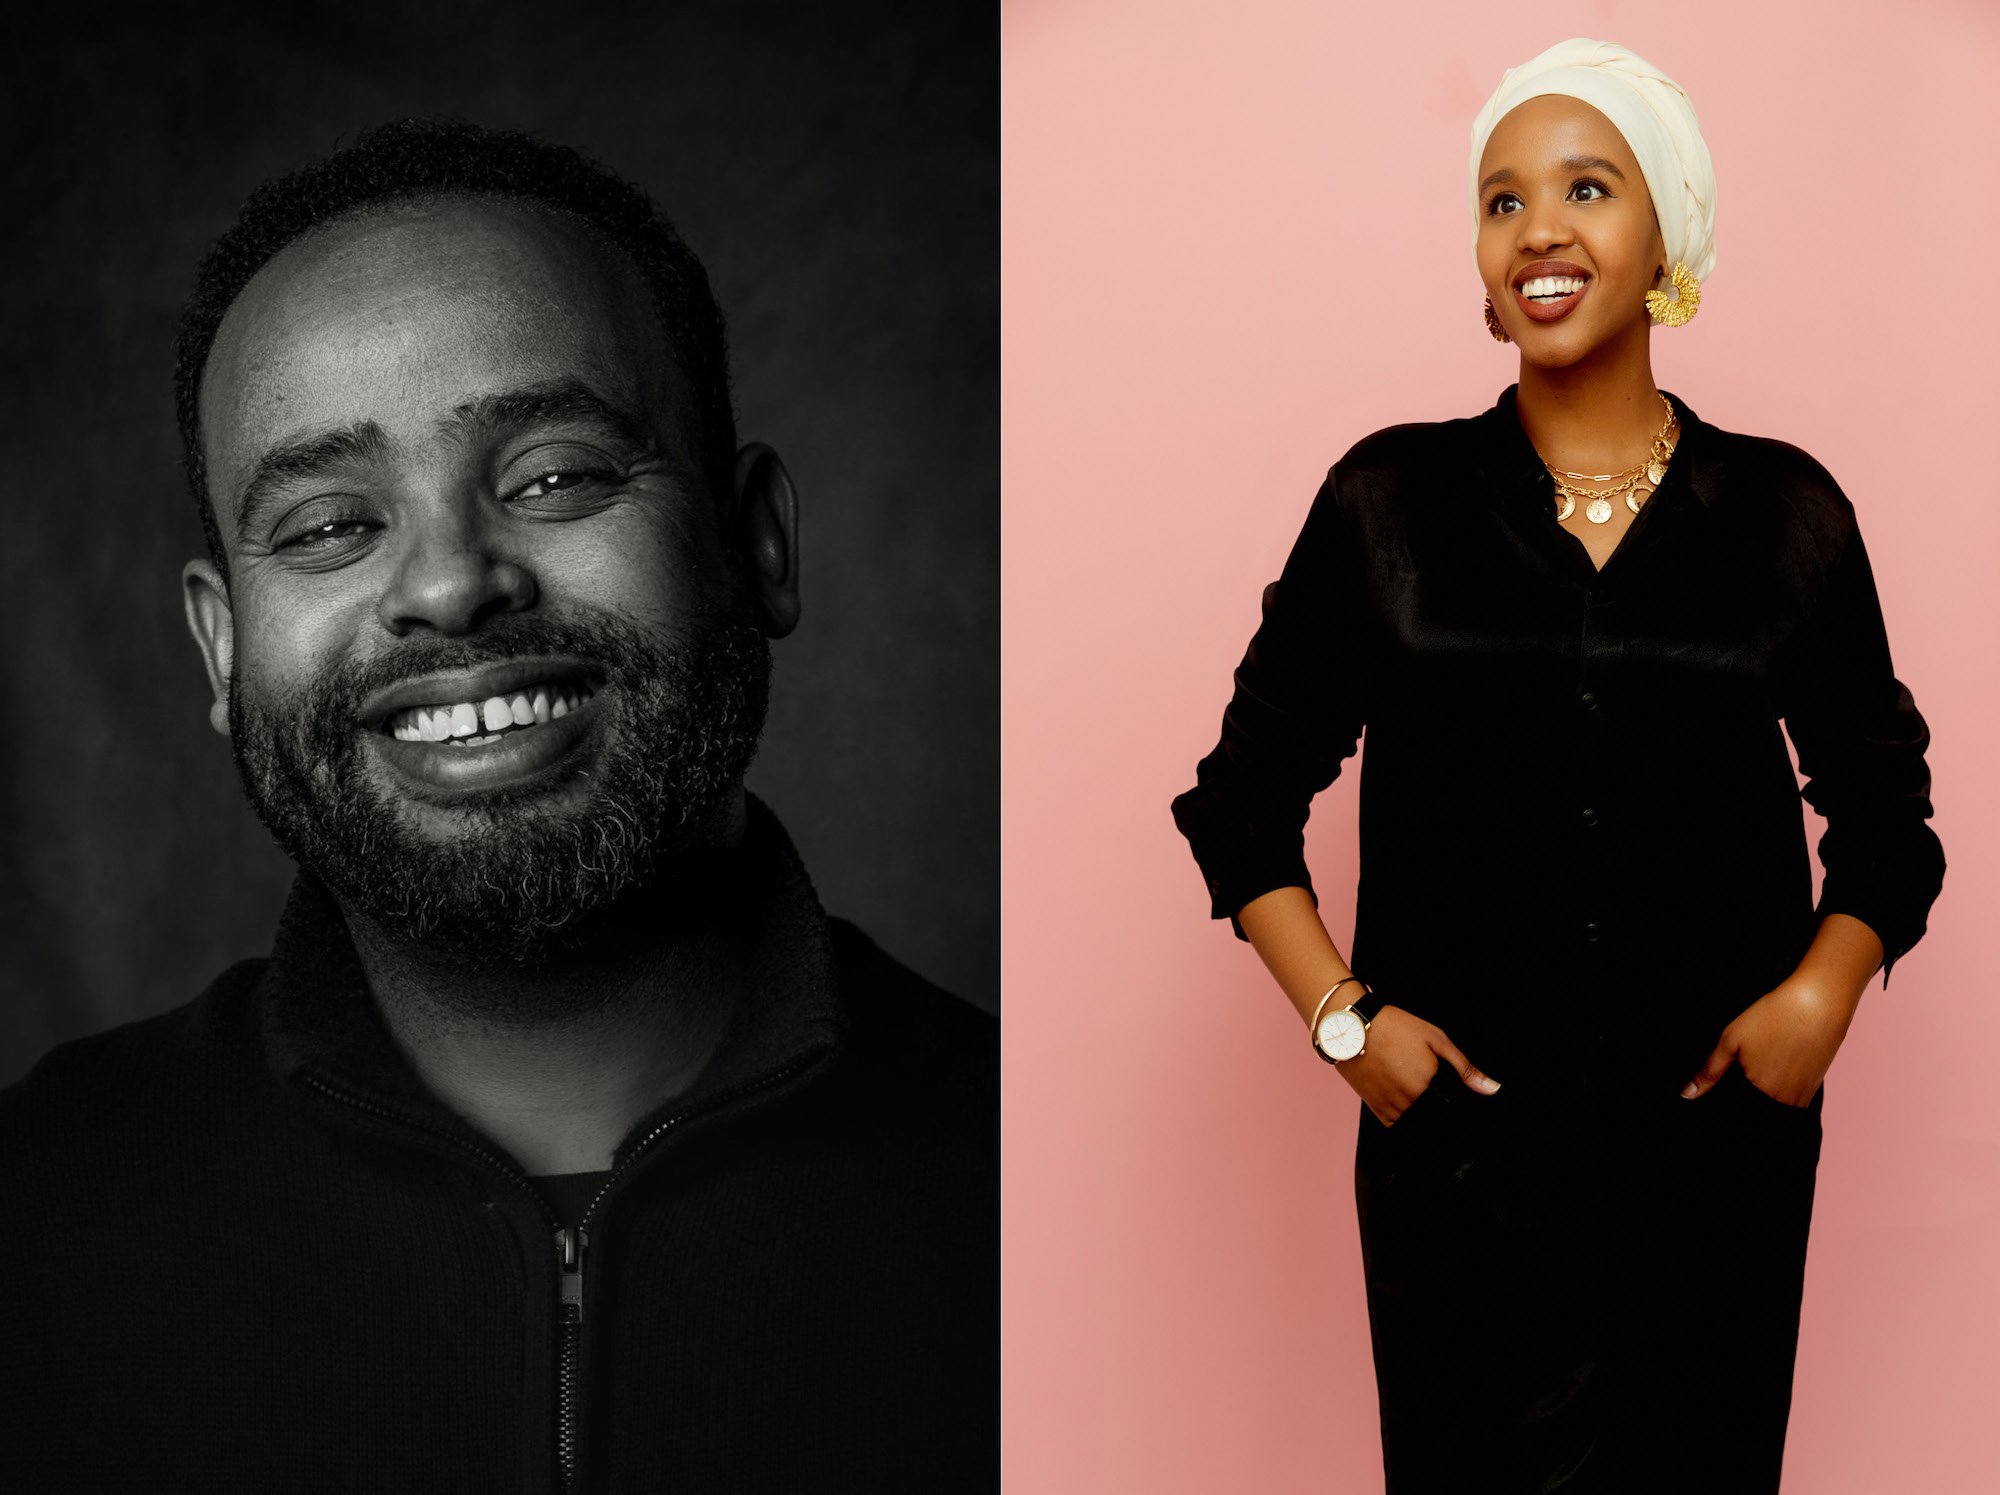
{"x":563,"y":1141}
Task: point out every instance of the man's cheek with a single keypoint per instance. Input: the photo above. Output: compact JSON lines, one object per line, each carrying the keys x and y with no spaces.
{"x":289,"y":634}
{"x":648,"y":568}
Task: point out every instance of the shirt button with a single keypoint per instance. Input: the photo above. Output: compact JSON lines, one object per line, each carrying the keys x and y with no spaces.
{"x":1590,"y":932}
{"x":1587,"y":701}
{"x":1590,"y":817}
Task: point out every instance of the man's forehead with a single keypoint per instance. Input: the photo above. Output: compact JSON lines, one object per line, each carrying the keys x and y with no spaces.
{"x":403,"y":316}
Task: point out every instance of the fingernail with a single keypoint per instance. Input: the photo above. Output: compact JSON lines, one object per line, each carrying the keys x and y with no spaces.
{"x":1487,"y":1084}
{"x":1691,"y":1092}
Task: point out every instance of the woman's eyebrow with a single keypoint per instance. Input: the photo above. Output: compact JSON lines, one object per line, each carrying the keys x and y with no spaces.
{"x":1569,"y":163}
{"x":1591,"y":163}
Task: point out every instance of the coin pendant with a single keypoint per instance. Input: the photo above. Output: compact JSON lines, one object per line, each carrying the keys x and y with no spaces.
{"x":1598,"y":511}
{"x":1655,"y":471}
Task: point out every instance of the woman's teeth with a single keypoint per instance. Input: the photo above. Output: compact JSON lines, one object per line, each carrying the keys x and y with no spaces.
{"x":1546,"y":288}
{"x":469,"y":722}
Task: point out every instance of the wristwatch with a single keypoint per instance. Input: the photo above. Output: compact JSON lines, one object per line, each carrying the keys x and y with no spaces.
{"x":1343,"y":1032}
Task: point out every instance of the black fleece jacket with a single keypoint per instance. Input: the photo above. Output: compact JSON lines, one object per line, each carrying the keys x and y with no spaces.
{"x":245,"y":1249}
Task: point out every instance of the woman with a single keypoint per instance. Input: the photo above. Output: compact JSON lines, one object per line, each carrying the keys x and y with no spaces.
{"x":1592,"y":999}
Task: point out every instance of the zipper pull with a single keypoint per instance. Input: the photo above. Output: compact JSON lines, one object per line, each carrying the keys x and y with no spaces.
{"x":571,"y":1243}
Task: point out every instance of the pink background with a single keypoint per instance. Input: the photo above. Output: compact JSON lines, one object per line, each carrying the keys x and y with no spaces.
{"x":1236,"y":238}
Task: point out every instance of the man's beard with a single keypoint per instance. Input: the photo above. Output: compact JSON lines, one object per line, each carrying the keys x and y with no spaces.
{"x":518,"y":881}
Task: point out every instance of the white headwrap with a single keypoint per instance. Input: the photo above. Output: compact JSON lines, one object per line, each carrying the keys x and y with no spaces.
{"x":1652,"y":114}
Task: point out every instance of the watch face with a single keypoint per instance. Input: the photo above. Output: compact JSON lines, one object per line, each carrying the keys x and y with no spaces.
{"x":1342,"y":1034}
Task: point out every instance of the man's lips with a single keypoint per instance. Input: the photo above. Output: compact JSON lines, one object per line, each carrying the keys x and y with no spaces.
{"x":503,"y":680}
{"x":1549,"y":290}
{"x":462,"y":734}
{"x":513,"y":756}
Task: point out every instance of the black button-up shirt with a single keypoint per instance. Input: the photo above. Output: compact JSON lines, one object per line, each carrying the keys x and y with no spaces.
{"x":1579,"y":820}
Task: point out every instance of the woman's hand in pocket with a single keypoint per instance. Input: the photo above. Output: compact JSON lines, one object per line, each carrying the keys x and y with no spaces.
{"x":1401,"y":1058}
{"x":1787,"y":1038}
{"x":1785,"y":1041}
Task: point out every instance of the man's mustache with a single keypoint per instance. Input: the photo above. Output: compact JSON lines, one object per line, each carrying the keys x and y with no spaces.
{"x":341,"y":690}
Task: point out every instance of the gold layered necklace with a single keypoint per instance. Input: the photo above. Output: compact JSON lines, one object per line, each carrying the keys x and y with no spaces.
{"x":1625,"y":485}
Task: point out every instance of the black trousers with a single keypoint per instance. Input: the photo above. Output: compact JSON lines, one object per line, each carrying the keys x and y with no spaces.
{"x":1585,"y":1292}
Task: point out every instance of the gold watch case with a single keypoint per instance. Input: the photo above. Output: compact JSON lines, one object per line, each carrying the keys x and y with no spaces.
{"x":1341,"y":1035}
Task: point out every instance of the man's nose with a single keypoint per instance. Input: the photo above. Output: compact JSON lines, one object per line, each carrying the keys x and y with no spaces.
{"x":454,"y":572}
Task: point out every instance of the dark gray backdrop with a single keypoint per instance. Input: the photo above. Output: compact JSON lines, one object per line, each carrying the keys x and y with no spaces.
{"x":837,"y":169}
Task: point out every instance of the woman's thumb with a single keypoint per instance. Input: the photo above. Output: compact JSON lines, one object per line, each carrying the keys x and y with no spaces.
{"x":1474,"y":1077}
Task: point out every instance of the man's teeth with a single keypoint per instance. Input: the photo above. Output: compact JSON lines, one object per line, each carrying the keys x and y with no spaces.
{"x":1551,"y":287}
{"x":524,"y":708}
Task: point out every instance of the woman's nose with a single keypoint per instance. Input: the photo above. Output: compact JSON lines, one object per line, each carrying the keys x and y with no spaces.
{"x":1544,"y":228}
{"x":454,"y":573}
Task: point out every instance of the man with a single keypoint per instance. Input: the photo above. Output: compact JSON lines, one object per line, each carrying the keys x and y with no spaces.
{"x":563,"y":1142}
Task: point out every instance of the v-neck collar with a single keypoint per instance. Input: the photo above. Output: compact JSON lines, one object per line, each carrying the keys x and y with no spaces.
{"x":1518,"y":481}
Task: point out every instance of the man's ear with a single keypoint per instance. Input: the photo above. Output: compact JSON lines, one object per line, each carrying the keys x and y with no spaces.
{"x":763,"y":529}
{"x":205,"y":595}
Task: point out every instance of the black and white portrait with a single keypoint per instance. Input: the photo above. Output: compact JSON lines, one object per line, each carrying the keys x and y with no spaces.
{"x":507,"y":867}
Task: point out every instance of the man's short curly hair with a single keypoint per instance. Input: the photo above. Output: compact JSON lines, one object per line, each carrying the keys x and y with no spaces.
{"x":414,"y":160}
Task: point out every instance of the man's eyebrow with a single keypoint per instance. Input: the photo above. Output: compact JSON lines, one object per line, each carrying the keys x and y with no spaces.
{"x":365,"y":441}
{"x":305,"y":457}
{"x":558,"y":400}
{"x":1569,"y":163}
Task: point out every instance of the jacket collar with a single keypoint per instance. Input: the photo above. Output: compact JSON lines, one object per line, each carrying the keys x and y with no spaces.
{"x":318,"y":1020}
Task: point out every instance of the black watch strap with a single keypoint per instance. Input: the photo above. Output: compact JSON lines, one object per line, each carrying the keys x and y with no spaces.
{"x":1367,"y":1005}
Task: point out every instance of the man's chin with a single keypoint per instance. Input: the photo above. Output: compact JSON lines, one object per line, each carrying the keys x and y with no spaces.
{"x":527,"y":872}
{"x":506,"y":888}
{"x":523,"y":837}
{"x":489,"y":935}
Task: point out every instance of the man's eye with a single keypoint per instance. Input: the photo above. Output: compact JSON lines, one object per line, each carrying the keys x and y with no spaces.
{"x":560,"y":481}
{"x":324,"y":536}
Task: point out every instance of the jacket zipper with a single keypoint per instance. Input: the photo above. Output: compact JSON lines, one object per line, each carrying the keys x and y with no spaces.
{"x":572,"y":1243}
{"x":568,"y":1264}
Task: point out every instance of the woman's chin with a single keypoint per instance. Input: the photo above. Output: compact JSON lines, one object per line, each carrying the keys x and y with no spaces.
{"x":1563,"y":346}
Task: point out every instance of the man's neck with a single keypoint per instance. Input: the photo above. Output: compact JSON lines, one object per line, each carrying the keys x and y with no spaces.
{"x":556,"y":1062}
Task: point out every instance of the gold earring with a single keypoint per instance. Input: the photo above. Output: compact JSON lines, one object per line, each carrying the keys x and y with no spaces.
{"x":1680,"y":311}
{"x":1493,"y":324}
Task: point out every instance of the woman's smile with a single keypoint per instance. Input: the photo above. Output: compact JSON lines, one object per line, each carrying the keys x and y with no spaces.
{"x":1549,"y":290}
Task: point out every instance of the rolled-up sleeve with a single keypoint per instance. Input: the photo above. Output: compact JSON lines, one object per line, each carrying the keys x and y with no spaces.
{"x":1296,"y":715}
{"x":1861,"y":742}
